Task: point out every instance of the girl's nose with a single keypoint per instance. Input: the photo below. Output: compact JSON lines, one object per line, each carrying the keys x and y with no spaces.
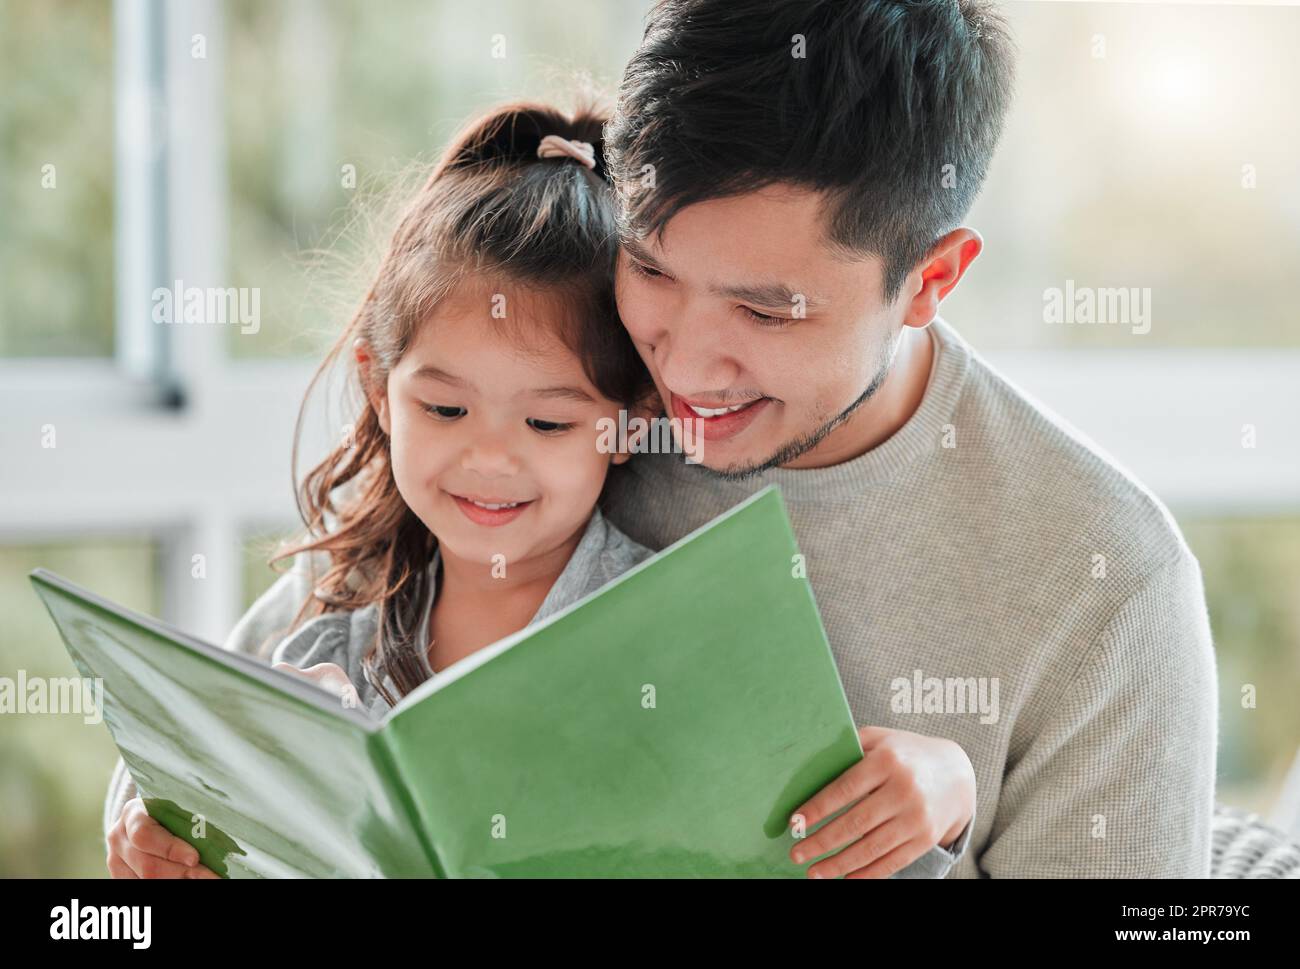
{"x":491,"y":458}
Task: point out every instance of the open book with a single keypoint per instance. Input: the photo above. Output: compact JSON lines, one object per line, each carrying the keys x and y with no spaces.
{"x":669,"y":723}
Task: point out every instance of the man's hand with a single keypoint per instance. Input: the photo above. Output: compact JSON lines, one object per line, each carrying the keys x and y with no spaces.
{"x":912,"y":792}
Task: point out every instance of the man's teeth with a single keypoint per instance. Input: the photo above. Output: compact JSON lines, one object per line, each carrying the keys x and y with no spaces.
{"x":715,"y":411}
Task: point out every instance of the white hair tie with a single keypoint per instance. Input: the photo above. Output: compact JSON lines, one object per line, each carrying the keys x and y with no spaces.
{"x":553,"y":146}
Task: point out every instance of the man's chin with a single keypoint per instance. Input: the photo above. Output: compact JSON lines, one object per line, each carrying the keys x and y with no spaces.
{"x":730,"y":461}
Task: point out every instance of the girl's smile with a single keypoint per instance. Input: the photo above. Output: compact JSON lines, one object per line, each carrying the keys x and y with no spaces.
{"x":490,"y":513}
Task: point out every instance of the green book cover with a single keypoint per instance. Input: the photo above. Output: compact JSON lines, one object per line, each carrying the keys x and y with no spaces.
{"x":668,"y":724}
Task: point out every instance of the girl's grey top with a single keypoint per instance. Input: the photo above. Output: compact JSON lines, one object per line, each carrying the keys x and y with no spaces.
{"x":603,"y":553}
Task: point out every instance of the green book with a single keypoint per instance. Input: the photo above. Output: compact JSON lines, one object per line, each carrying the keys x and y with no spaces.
{"x":668,"y":724}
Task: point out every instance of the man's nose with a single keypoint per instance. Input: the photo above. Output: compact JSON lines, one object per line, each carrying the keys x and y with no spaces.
{"x":693,"y":359}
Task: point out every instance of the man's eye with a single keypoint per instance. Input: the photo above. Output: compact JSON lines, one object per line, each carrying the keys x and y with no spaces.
{"x":439,"y":411}
{"x":764,"y":320}
{"x":643,"y":270}
{"x":547,"y":427}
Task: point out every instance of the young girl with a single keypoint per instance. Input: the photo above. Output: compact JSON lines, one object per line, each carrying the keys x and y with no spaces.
{"x":463,"y":506}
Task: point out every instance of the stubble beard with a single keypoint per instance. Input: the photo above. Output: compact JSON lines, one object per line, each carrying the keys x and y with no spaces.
{"x":804,"y":443}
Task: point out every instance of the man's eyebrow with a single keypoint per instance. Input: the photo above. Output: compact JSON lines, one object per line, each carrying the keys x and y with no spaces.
{"x":640,"y":253}
{"x":766,"y":294}
{"x":577,"y":394}
{"x":761,"y":294}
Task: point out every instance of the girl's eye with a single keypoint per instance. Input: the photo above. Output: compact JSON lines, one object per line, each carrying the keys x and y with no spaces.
{"x":438,"y":411}
{"x":762,"y":319}
{"x":547,"y":427}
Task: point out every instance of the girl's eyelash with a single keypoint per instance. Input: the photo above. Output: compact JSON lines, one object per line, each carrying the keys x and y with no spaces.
{"x":435,"y":411}
{"x":555,"y":428}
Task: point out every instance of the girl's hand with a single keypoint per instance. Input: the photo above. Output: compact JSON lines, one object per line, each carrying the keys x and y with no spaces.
{"x":331,"y":676}
{"x":140,"y":847}
{"x":909,"y":792}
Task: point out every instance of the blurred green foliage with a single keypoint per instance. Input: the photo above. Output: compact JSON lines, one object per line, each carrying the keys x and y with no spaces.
{"x":54,"y":768}
{"x":1251,"y":568}
{"x":56,"y":237}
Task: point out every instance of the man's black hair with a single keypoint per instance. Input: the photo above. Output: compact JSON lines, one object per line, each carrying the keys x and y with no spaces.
{"x":868,"y":101}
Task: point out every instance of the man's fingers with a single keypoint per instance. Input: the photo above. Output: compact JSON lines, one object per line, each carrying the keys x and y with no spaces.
{"x":853,"y":785}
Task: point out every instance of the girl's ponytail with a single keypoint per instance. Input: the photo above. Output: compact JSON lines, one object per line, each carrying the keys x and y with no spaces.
{"x":511,"y":134}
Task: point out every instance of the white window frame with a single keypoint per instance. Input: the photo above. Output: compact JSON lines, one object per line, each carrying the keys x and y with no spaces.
{"x":198,"y":478}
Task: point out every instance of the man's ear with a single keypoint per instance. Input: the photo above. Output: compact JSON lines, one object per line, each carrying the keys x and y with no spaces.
{"x":938,"y":273}
{"x":378,"y":396}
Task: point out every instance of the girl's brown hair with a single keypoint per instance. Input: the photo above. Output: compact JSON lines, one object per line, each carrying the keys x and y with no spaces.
{"x":490,"y":206}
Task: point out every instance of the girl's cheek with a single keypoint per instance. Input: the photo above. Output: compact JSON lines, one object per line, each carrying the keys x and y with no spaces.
{"x":591,"y":463}
{"x":417,"y":451}
{"x":406,"y":441}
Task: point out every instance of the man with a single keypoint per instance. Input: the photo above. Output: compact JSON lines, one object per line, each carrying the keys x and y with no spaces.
{"x":1019,"y":626}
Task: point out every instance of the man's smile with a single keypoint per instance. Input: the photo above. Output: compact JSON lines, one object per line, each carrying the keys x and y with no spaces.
{"x":717,"y":422}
